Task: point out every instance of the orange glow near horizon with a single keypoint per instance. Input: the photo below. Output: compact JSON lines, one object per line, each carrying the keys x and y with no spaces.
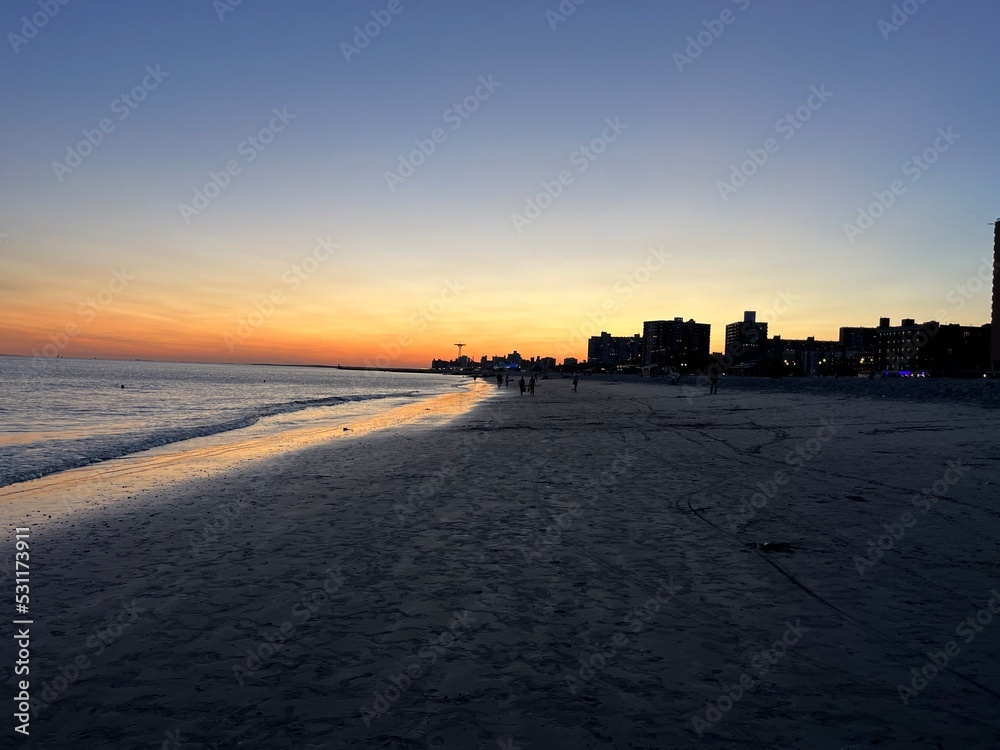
{"x":352,"y":332}
{"x":129,"y":330}
{"x":245,"y":303}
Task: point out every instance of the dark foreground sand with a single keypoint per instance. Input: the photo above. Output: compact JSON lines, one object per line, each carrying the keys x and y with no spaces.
{"x":565,"y":571}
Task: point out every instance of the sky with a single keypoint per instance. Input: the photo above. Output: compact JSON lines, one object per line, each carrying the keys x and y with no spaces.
{"x":373,"y":182}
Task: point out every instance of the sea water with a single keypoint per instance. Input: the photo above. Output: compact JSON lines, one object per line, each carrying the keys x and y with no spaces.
{"x":58,"y":414}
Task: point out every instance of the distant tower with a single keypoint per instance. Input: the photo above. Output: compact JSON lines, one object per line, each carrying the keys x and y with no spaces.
{"x":459,"y":350}
{"x":995,"y":325}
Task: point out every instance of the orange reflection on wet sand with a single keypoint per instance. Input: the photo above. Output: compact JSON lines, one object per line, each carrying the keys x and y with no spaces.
{"x":91,"y":487}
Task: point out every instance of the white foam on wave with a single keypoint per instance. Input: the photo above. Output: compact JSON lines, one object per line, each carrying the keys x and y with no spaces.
{"x":26,"y":462}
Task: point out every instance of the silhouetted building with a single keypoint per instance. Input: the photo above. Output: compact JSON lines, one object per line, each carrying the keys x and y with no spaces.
{"x":676,"y":343}
{"x":897,"y":347}
{"x":932,"y":347}
{"x":746,"y":339}
{"x":615,"y":351}
{"x":995,"y":337}
{"x":570,"y":362}
{"x":803,"y":356}
{"x":956,"y":349}
{"x":925,"y":347}
{"x":858,"y":349}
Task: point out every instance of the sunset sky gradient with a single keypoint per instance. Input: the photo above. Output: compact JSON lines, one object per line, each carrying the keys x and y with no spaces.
{"x":436,"y":258}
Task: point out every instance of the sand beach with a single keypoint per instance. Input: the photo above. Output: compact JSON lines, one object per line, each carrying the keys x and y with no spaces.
{"x":633,"y":565}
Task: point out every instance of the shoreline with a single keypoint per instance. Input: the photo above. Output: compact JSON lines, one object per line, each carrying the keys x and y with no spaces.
{"x":85,"y":412}
{"x":416,"y":370}
{"x":488,"y":579}
{"x":99,"y":484}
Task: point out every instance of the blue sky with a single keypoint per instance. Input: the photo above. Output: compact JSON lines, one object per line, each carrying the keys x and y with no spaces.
{"x":656,"y":185}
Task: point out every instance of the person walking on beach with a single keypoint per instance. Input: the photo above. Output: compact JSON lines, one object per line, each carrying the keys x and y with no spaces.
{"x":713,"y":378}
{"x":531,"y":385}
{"x":522,"y":385}
{"x":499,"y":379}
{"x":576,"y":380}
{"x":507,"y":381}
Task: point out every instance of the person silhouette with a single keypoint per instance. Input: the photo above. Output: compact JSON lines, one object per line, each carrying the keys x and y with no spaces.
{"x":531,"y":385}
{"x":506,"y":382}
{"x":522,"y":385}
{"x":576,"y":380}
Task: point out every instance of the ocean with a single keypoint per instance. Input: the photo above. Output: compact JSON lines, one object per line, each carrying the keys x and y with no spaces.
{"x":59,"y":414}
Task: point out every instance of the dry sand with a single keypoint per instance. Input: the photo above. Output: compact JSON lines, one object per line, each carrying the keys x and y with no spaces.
{"x":569,"y":570}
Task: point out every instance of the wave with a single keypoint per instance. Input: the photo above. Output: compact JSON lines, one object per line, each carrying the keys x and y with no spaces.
{"x":87,"y":451}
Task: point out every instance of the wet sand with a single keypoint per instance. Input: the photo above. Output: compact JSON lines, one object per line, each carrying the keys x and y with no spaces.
{"x":629,"y":566}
